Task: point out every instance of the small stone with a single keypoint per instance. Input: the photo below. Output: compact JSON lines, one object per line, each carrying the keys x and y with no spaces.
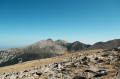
{"x":29,"y":78}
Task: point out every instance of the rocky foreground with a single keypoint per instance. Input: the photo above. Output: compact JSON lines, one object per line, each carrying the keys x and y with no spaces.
{"x":95,"y":65}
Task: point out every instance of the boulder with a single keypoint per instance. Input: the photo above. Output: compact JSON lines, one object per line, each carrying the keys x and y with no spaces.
{"x":118,"y":74}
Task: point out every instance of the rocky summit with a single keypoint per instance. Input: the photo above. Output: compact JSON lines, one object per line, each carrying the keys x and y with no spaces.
{"x":87,"y":64}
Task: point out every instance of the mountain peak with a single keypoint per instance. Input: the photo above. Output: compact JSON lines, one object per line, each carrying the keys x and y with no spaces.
{"x":49,"y":39}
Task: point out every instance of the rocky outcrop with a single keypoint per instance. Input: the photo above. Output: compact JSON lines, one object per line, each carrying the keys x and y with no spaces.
{"x":96,"y":65}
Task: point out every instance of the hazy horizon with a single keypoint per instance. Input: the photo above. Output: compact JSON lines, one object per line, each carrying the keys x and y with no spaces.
{"x":23,"y":22}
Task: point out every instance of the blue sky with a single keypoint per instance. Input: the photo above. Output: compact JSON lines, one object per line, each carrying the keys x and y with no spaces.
{"x":24,"y":22}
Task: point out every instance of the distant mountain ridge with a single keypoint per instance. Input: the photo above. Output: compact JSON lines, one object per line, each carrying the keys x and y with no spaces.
{"x":106,"y":45}
{"x":49,"y":48}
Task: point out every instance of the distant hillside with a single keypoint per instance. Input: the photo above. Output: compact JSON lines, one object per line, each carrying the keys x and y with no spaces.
{"x":106,"y":45}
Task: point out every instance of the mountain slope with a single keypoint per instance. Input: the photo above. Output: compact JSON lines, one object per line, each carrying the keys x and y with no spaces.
{"x":39,"y":50}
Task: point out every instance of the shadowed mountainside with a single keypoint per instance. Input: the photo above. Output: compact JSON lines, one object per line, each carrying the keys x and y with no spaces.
{"x":76,"y":46}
